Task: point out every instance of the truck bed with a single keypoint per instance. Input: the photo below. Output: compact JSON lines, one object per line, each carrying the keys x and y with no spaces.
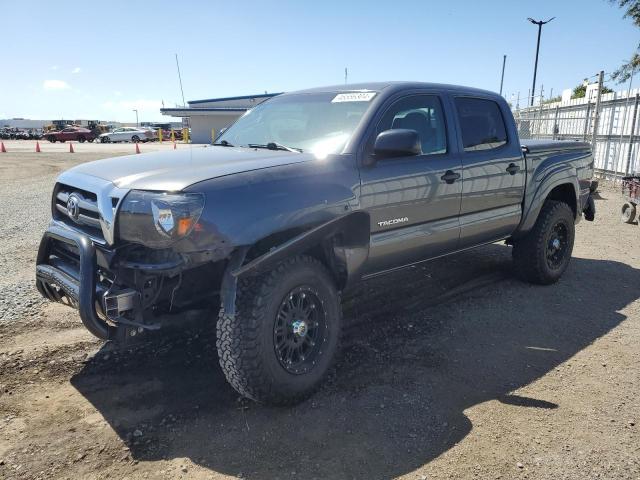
{"x":539,"y":145}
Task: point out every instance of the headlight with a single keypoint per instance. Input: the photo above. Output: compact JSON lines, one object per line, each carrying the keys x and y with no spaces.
{"x":156,"y":219}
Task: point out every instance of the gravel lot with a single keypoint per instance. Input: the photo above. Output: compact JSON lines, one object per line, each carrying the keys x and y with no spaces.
{"x":452,"y":369}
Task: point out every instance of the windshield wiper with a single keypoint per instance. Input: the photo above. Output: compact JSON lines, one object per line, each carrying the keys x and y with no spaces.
{"x":275,"y":146}
{"x":223,"y":143}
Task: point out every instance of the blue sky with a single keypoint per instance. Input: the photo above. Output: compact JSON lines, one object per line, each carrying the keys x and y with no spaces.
{"x":101,"y":60}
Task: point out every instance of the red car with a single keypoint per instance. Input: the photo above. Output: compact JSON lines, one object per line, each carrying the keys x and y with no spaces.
{"x":78,"y":134}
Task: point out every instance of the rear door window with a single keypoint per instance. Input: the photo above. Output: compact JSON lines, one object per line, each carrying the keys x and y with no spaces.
{"x":482,"y":124}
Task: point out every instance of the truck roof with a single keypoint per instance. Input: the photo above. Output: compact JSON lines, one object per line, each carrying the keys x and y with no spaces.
{"x":394,"y":86}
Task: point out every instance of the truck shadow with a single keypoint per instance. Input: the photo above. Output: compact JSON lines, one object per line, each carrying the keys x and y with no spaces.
{"x":415,"y":357}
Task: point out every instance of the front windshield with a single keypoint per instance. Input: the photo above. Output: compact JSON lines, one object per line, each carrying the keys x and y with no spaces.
{"x":320,"y":123}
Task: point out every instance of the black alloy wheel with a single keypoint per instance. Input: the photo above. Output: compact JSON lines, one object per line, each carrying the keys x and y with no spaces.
{"x":557,"y":245}
{"x":300,"y":330}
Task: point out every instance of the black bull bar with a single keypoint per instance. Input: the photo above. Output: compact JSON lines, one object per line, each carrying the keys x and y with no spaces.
{"x":78,"y":287}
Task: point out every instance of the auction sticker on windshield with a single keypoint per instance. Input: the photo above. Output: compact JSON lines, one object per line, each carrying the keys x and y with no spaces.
{"x":353,"y":97}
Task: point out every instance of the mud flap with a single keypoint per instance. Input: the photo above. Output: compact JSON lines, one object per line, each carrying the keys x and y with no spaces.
{"x":590,"y":209}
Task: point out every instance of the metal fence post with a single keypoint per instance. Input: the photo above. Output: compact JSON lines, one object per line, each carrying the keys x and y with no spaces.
{"x":536,"y":125}
{"x":596,"y":115}
{"x":631,"y":134}
{"x":556,"y":129}
{"x":587,"y":119}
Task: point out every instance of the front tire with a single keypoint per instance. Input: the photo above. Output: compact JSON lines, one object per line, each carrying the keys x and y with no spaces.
{"x":543,"y":255}
{"x":81,"y":139}
{"x":281,"y":343}
{"x":51,"y":138}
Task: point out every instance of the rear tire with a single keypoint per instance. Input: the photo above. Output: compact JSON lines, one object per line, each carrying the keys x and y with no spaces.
{"x":628,"y":213}
{"x":293,"y":308}
{"x":135,"y":139}
{"x":543,"y":255}
{"x":81,"y":139}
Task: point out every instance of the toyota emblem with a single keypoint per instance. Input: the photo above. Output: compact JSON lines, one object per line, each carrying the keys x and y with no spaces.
{"x":73,"y":207}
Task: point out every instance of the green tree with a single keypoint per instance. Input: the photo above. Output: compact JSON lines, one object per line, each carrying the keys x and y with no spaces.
{"x":581,"y":90}
{"x":632,"y":11}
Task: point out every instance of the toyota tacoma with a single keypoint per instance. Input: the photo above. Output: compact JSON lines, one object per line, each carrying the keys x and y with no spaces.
{"x":302,"y":197}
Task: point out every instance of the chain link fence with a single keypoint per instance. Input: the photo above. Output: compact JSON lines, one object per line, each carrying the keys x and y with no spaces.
{"x":613,"y":116}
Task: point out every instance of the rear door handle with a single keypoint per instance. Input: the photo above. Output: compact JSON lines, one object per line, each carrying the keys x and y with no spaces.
{"x":513,"y":169}
{"x":450,"y":176}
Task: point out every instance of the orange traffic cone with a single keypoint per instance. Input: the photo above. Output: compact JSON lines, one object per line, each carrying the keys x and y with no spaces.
{"x":137,"y":148}
{"x":71,"y":148}
{"x":174,"y":145}
{"x":2,"y":149}
{"x":37,"y":147}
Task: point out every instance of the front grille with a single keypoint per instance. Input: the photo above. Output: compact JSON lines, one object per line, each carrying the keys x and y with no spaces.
{"x":87,"y":217}
{"x":87,"y":204}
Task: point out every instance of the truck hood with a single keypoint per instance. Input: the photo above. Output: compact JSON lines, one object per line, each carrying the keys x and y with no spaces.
{"x":177,"y":169}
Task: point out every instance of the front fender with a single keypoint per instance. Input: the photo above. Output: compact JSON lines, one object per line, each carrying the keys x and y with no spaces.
{"x":347,"y":237}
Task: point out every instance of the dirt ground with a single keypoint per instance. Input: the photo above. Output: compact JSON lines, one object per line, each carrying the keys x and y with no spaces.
{"x":451,"y":369}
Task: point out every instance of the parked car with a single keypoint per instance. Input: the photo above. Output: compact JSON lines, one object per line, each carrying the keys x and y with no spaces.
{"x":35,"y":135}
{"x":77,"y":134}
{"x":302,"y":198}
{"x":127,"y":134}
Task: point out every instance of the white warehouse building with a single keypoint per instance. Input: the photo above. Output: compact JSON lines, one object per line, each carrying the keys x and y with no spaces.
{"x":214,"y":114}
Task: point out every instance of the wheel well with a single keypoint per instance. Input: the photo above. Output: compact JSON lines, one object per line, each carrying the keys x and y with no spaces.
{"x":565,"y":193}
{"x":341,"y":245}
{"x":321,"y":251}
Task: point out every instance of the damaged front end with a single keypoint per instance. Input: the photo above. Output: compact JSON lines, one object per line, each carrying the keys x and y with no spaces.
{"x":156,"y":261}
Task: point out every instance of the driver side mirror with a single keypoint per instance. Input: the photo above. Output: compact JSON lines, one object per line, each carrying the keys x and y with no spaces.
{"x":398,"y":142}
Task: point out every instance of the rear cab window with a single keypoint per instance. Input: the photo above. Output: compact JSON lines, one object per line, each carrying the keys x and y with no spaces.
{"x":481,"y":123}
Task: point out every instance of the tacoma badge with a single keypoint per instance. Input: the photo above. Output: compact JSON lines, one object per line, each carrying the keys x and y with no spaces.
{"x":387,"y":223}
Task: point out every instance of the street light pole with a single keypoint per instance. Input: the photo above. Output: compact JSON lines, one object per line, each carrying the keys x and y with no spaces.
{"x":539,"y":23}
{"x":137,"y":124}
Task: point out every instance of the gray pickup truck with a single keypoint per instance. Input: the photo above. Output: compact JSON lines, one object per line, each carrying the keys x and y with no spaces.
{"x":301,"y":198}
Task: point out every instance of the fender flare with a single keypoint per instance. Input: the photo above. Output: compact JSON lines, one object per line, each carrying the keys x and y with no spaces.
{"x":347,"y":236}
{"x":556,"y":177}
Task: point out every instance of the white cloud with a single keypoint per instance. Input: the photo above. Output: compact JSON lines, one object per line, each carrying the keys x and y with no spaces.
{"x":117,"y":93}
{"x":76,"y":70}
{"x":55,"y":85}
{"x":54,"y":67}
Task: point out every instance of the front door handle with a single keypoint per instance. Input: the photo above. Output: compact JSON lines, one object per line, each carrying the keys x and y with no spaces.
{"x":513,"y":169}
{"x":450,"y":176}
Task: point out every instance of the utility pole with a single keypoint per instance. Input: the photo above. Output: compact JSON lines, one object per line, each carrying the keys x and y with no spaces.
{"x":539,"y":23}
{"x":504,"y":62}
{"x":346,"y":75}
{"x":137,"y":124}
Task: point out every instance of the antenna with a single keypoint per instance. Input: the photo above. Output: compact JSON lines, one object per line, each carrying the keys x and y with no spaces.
{"x":180,"y":79}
